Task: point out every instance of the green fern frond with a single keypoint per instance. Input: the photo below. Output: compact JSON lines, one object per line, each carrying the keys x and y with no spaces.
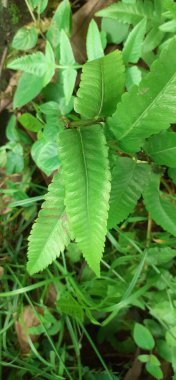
{"x":162,"y":210}
{"x":102,"y":83}
{"x":128,"y":13}
{"x":50,"y":233}
{"x":149,"y":108}
{"x":87,"y":183}
{"x":128,"y":180}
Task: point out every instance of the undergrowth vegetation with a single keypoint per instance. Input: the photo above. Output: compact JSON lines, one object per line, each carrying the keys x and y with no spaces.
{"x":87,"y":278}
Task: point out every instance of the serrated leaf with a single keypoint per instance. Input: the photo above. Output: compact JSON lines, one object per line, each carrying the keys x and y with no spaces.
{"x":151,"y":106}
{"x":102,"y":82}
{"x":162,"y":148}
{"x":84,"y":175}
{"x":161,"y":209}
{"x":143,"y":337}
{"x":45,"y":154}
{"x":70,"y":306}
{"x":25,"y":38}
{"x":29,"y":86}
{"x":37,"y":64}
{"x":128,"y":13}
{"x":160,"y":255}
{"x":60,"y":21}
{"x":93,"y":42}
{"x":128,"y":180}
{"x":133,"y":45}
{"x":50,"y":233}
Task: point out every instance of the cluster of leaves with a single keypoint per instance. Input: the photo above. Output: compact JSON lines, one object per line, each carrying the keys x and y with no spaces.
{"x":113,"y":144}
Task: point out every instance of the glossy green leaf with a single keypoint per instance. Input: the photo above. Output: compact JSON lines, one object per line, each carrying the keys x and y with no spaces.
{"x":67,"y":58}
{"x":151,"y":106}
{"x":84,"y":175}
{"x":25,"y":39}
{"x":50,"y":232}
{"x":128,"y":180}
{"x":128,"y":13}
{"x":160,"y":207}
{"x":30,"y":122}
{"x":45,"y":154}
{"x":36,"y":64}
{"x":60,"y":21}
{"x":162,"y":148}
{"x":102,"y":83}
{"x":29,"y":86}
{"x":143,"y":337}
{"x":116,"y":31}
{"x":133,"y":45}
{"x":93,"y":42}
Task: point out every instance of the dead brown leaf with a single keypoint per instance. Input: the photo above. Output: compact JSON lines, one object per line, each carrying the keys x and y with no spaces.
{"x":135,"y":371}
{"x":81,"y":20}
{"x":51,"y":295}
{"x":27,"y":320}
{"x":1,"y":272}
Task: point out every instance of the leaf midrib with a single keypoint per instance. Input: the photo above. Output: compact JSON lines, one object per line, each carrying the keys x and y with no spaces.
{"x":144,"y":113}
{"x":163,"y":151}
{"x":86,"y":178}
{"x":102,"y":88}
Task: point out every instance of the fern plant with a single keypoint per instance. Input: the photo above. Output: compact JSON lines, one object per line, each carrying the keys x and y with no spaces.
{"x":112,"y":148}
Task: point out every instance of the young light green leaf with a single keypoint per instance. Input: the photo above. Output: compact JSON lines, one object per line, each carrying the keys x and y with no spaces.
{"x":143,"y":337}
{"x":37,"y":64}
{"x":11,"y":130}
{"x":84,"y":175}
{"x":30,"y":122}
{"x":133,"y":45}
{"x":102,"y":83}
{"x":93,"y":42}
{"x":128,"y":13}
{"x":152,"y":40}
{"x":133,"y":76}
{"x":67,"y":58}
{"x":128,"y":180}
{"x":15,"y":159}
{"x":154,"y":370}
{"x":162,"y":148}
{"x":116,"y":31}
{"x":50,"y":233}
{"x":25,"y":38}
{"x":60,"y":21}
{"x":169,"y":26}
{"x":29,"y":86}
{"x":45,"y":154}
{"x":39,"y":4}
{"x":161,"y":209}
{"x":151,"y":106}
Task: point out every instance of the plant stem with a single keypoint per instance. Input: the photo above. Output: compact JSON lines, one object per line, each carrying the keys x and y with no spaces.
{"x":85,"y":123}
{"x":30,"y":11}
{"x":149,"y":229}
